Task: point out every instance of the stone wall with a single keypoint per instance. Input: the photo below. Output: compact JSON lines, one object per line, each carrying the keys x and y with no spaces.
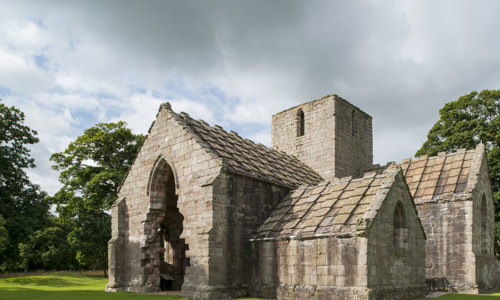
{"x":483,"y":228}
{"x":333,"y":268}
{"x":448,"y":248}
{"x":396,"y":252}
{"x":116,"y":256}
{"x":353,"y":140}
{"x":240,"y":205}
{"x":385,"y":262}
{"x":460,"y":229}
{"x":316,"y":147}
{"x":337,"y":140}
{"x":321,"y":268}
{"x":135,"y":230}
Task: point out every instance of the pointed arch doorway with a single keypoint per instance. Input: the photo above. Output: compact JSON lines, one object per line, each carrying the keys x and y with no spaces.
{"x":168,"y":249}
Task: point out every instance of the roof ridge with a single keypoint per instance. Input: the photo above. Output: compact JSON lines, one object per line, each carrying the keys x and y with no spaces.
{"x":245,"y":157}
{"x":430,"y":177}
{"x":337,"y":209}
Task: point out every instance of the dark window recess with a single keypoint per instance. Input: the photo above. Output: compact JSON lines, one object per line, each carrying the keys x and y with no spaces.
{"x":400,"y":231}
{"x":300,"y":123}
{"x":353,"y":123}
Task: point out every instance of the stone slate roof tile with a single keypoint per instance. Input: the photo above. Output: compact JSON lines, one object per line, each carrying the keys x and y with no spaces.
{"x":329,"y":208}
{"x":445,"y":176}
{"x":244,"y":157}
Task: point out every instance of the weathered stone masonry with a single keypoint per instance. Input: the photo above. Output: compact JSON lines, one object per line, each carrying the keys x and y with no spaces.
{"x":454,"y":201}
{"x":221,"y":200}
{"x":136,"y":265}
{"x":340,"y":240}
{"x":218,"y":216}
{"x":337,"y":140}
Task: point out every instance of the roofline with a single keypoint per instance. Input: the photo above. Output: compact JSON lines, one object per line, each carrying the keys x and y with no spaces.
{"x":334,"y":97}
{"x":179,"y":118}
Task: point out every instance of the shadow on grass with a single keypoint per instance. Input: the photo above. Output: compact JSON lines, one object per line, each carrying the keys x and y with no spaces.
{"x":25,"y":293}
{"x":51,"y":281}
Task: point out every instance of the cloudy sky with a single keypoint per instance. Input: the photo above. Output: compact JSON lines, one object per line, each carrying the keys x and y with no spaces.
{"x":69,"y":64}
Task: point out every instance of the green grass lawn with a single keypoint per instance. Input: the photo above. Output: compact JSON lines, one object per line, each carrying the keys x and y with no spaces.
{"x":71,"y":286}
{"x":64,"y":285}
{"x":469,"y":297}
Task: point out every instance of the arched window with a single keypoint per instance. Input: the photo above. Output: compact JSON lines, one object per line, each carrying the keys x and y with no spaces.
{"x":300,"y":123}
{"x":353,"y":123}
{"x":484,"y":226}
{"x":400,"y":231}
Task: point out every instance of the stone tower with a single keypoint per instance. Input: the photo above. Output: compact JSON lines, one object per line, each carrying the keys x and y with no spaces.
{"x":330,"y":135}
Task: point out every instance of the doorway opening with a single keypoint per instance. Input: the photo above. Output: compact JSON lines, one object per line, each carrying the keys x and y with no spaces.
{"x":173,"y":248}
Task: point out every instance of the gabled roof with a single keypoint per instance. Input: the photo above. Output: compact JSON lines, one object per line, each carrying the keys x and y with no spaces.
{"x":443,"y":177}
{"x":339,"y":208}
{"x":244,"y":157}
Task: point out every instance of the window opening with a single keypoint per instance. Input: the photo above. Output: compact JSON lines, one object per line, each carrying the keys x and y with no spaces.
{"x":300,"y":123}
{"x":353,"y":123}
{"x":484,"y":226}
{"x":400,"y":231}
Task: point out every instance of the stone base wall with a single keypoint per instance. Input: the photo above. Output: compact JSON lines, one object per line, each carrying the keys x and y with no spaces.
{"x":304,"y":265}
{"x":487,"y":273}
{"x":300,"y":292}
{"x":449,"y":252}
{"x":398,"y":292}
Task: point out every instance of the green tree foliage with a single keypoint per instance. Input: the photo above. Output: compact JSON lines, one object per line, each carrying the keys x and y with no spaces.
{"x":90,"y":239}
{"x":91,"y":170}
{"x":22,"y":205}
{"x":48,"y":249}
{"x":464,"y":123}
{"x":4,"y":236}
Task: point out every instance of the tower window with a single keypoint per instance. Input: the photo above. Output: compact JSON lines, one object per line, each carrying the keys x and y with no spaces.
{"x":300,"y":123}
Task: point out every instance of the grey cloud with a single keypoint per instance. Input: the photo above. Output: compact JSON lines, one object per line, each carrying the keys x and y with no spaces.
{"x":399,"y":61}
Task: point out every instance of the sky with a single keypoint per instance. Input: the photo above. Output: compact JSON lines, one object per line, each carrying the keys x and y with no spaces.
{"x":71,"y":64}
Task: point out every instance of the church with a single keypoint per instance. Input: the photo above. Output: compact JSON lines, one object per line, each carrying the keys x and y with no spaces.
{"x":217,"y":216}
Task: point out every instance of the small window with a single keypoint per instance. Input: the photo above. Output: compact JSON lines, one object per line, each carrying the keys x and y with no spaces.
{"x":484,"y":226}
{"x":300,"y":123}
{"x":400,"y":231}
{"x":353,"y":123}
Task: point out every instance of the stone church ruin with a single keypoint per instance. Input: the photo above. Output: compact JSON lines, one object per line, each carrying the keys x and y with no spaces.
{"x":216,"y":216}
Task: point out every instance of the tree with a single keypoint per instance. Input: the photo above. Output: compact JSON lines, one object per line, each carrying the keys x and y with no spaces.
{"x":48,"y":249}
{"x":464,"y":123}
{"x":4,"y":236}
{"x":23,"y":206}
{"x":92,"y":168}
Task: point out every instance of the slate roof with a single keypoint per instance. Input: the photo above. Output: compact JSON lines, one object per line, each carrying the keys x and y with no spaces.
{"x":339,"y":208}
{"x":444,"y":176}
{"x":244,"y":157}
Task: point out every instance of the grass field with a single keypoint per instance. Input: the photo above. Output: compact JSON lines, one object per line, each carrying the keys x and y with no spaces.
{"x":71,"y":286}
{"x":469,"y":297}
{"x":62,"y":286}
